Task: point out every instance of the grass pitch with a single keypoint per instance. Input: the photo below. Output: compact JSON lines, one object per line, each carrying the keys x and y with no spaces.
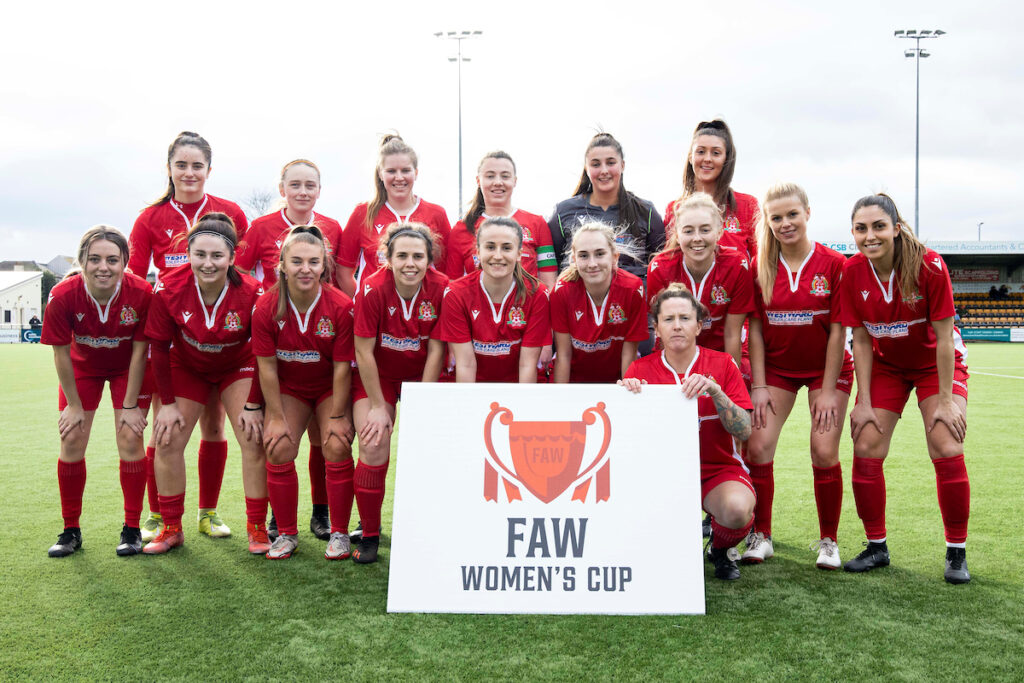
{"x":211,"y":612}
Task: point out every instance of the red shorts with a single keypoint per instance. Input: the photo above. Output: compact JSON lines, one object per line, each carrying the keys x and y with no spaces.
{"x":313,"y":397}
{"x":780,"y":380}
{"x":391,"y":388}
{"x":90,"y":389}
{"x":196,"y":388}
{"x":715,"y":474}
{"x":890,"y":386}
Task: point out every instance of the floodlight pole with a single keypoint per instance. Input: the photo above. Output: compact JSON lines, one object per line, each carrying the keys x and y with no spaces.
{"x":917,"y":53}
{"x":979,"y":229}
{"x":459,"y":36}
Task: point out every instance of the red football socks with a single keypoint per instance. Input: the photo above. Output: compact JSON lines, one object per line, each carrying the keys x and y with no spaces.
{"x":724,"y":537}
{"x":213,"y":455}
{"x":828,"y":495}
{"x":172,"y":508}
{"x":369,"y":485}
{"x":763,"y":477}
{"x":133,"y":488}
{"x":151,"y":493}
{"x":256,"y":510}
{"x":339,"y":495}
{"x":71,"y":482}
{"x":954,"y":496}
{"x":869,"y":494}
{"x":317,"y":476}
{"x":283,"y":488}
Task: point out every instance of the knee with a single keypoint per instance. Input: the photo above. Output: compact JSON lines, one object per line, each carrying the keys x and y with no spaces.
{"x":72,"y":447}
{"x":823,"y":455}
{"x":211,"y":426}
{"x":949,"y":448}
{"x":127,"y":440}
{"x":867,"y":447}
{"x":375,"y":455}
{"x":760,"y":451}
{"x":336,"y":451}
{"x":736,"y":512}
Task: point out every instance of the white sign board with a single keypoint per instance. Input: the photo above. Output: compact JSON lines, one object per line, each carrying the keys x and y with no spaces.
{"x":549,"y":499}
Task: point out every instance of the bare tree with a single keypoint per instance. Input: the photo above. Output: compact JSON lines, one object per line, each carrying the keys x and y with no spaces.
{"x":258,"y":203}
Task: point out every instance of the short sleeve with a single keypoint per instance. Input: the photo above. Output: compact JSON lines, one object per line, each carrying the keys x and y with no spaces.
{"x":848,"y":314}
{"x":538,"y":324}
{"x":160,"y":324}
{"x":344,"y":345}
{"x":938,"y":289}
{"x":637,"y":314}
{"x":57,"y":320}
{"x":367,"y":313}
{"x":733,"y":386}
{"x":264,"y":336}
{"x":558,"y":308}
{"x":742,"y":300}
{"x":139,"y":247}
{"x":455,"y":326}
{"x":348,"y":251}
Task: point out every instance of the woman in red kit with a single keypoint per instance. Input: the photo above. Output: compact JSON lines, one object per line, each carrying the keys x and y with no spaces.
{"x":260,"y":255}
{"x":598,"y":310}
{"x":722,"y":404}
{"x":495,"y":320}
{"x":710,"y":164}
{"x":302,"y":338}
{"x":393,"y":201}
{"x":95,"y":322}
{"x":719,"y":278}
{"x":796,"y":340}
{"x":157,"y":236}
{"x":396,"y":314}
{"x":898,"y":298}
{"x":205,"y":310}
{"x":495,"y":180}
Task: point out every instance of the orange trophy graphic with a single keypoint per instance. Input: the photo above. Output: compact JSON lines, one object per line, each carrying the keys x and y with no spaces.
{"x":547,"y":457}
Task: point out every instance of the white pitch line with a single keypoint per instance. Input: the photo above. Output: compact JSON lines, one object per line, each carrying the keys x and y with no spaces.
{"x":993,"y":374}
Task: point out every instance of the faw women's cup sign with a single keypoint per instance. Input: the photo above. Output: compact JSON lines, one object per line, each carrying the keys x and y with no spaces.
{"x":546,"y":499}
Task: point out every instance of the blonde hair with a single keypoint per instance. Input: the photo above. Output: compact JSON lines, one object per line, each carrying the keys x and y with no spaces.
{"x":282,"y":203}
{"x":300,"y":234}
{"x":768,"y":247}
{"x":617,"y":238}
{"x":390,"y":144}
{"x":908,"y":251}
{"x":526,"y":284}
{"x":697,"y":200}
{"x":98,"y":233}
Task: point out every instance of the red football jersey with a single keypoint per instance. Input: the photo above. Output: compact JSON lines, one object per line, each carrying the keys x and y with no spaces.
{"x":100,"y":336}
{"x":727,"y":287}
{"x":156,"y":231}
{"x":795,"y":325}
{"x":902,"y":336}
{"x":598,"y":334}
{"x":716,"y":444}
{"x":739,"y":227}
{"x":497,"y":332}
{"x":402,"y":330}
{"x":208,"y":340}
{"x":538,"y":254}
{"x":360,"y":246}
{"x":306,"y":346}
{"x":261,"y":251}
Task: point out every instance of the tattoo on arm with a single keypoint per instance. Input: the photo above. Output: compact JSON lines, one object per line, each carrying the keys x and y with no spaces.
{"x":735,"y":420}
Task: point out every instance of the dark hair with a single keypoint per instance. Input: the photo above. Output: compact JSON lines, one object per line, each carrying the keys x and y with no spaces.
{"x":678,"y":290}
{"x":526,"y":284}
{"x":723,"y":193}
{"x":630,"y":209}
{"x":908,"y":252}
{"x":98,"y":233}
{"x":220,"y":224}
{"x":390,"y":144}
{"x":412,"y":229}
{"x":306,"y":234}
{"x":185,"y":138}
{"x":477,"y":206}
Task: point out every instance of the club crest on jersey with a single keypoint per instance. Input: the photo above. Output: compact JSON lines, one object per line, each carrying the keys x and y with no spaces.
{"x":516,"y":317}
{"x":819,"y":285}
{"x":913,"y":298}
{"x":732,"y":224}
{"x":527,"y":235}
{"x":324,"y":327}
{"x":185,"y":315}
{"x":616,"y":316}
{"x":232,"y":321}
{"x":128,"y":316}
{"x":79,"y":316}
{"x":391,"y":310}
{"x":427,"y":311}
{"x":719,"y":296}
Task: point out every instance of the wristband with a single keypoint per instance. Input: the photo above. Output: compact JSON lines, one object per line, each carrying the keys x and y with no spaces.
{"x":338,"y":417}
{"x":759,"y":386}
{"x":252,"y":410}
{"x":124,"y":407}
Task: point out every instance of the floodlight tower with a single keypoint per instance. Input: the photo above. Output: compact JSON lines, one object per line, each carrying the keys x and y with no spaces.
{"x":458,"y":37}
{"x":917,"y":52}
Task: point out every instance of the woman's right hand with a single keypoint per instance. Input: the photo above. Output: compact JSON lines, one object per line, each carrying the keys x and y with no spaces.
{"x":378,"y":425}
{"x":632,"y":384}
{"x":70,"y":417}
{"x":860,"y":417}
{"x":166,"y":419}
{"x":761,"y":397}
{"x":275,"y":431}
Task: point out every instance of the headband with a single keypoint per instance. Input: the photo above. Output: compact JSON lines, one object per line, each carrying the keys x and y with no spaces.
{"x":406,"y":232}
{"x":196,"y":233}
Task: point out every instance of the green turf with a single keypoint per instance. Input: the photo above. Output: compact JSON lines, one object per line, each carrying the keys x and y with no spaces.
{"x":210,"y":612}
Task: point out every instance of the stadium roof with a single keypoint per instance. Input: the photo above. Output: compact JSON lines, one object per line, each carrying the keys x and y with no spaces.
{"x":13,"y":278}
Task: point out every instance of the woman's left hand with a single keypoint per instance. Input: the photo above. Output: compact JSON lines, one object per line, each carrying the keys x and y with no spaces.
{"x":825,"y":410}
{"x":339,"y":428}
{"x":695,"y":385}
{"x":251,"y":424}
{"x":950,"y":413}
{"x":632,"y":384}
{"x":133,"y":419}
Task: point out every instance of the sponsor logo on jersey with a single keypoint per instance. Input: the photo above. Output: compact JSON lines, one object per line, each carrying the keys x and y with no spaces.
{"x":499,"y":348}
{"x":100,"y":342}
{"x":819,"y":285}
{"x":298,"y":356}
{"x":864,"y":294}
{"x":790,"y":318}
{"x":719,"y":296}
{"x":391,"y":310}
{"x":382,"y":257}
{"x":400,"y":344}
{"x":579,"y":314}
{"x":79,"y":316}
{"x":616,"y":316}
{"x":592,"y":347}
{"x":476,"y":261}
{"x":324,"y":327}
{"x":232,"y":321}
{"x":888,"y":330}
{"x":475,"y":313}
{"x":172,"y":260}
{"x":732,"y":224}
{"x":516,"y":317}
{"x":128,"y":316}
{"x":206,"y":348}
{"x":185,"y":315}
{"x":427,"y":311}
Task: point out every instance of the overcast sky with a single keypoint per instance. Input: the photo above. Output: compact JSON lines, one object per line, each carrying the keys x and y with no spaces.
{"x":816,"y":93}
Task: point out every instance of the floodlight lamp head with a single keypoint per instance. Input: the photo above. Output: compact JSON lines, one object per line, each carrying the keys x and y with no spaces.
{"x":939,"y":32}
{"x":908,"y":53}
{"x":925,"y":53}
{"x":898,"y":33}
{"x":926,"y":33}
{"x":911,"y":31}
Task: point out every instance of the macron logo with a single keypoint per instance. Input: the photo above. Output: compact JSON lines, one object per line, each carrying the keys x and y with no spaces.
{"x":864,"y":293}
{"x":475,"y":314}
{"x":185,"y":315}
{"x":579,"y":314}
{"x":391,"y":310}
{"x":79,"y":316}
{"x":938,"y":262}
{"x":366,"y":289}
{"x":278,"y":243}
{"x":169,"y":232}
{"x":280,"y":324}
